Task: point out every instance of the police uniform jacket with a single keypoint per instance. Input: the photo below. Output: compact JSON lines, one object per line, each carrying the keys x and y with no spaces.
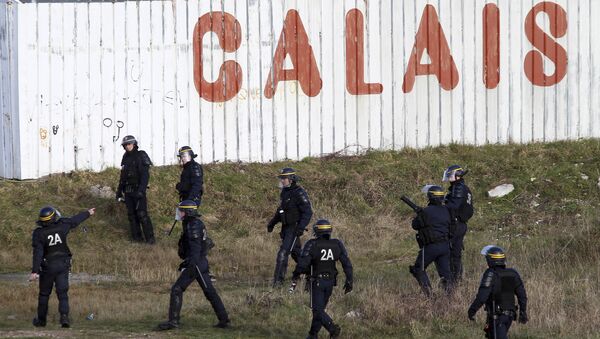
{"x":498,"y":288}
{"x":294,"y":209}
{"x":50,"y":241}
{"x":436,"y":218}
{"x":192,"y":244}
{"x":459,"y":200}
{"x":319,"y":257}
{"x":191,"y":181}
{"x":135,"y":172}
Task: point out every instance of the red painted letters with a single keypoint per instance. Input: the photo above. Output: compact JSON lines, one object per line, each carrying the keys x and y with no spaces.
{"x":534,"y":63}
{"x":293,"y":41}
{"x":229,"y":32}
{"x":430,"y":36}
{"x":355,"y":56}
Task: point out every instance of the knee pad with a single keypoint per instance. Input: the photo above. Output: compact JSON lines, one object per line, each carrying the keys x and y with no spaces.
{"x":282,"y":254}
{"x":177,"y":290}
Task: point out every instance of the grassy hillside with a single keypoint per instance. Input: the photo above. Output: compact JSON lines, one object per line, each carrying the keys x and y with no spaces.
{"x":548,"y":225}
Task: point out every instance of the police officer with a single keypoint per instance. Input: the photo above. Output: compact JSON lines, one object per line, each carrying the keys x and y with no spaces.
{"x":432,"y":224}
{"x":294,"y":213}
{"x":318,"y":259}
{"x":191,"y":179}
{"x":52,"y":260}
{"x":459,"y":201}
{"x":135,"y":174}
{"x":193,"y":250}
{"x":497,"y":291}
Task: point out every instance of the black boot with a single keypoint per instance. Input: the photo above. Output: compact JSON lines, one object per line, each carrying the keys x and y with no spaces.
{"x":335,"y":333}
{"x":39,"y":323}
{"x":222,"y":323}
{"x":312,"y":336}
{"x":174,"y":309}
{"x":168,"y":325}
{"x":64,"y":321}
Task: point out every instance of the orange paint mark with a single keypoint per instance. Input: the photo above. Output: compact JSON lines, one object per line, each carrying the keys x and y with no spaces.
{"x":491,"y":46}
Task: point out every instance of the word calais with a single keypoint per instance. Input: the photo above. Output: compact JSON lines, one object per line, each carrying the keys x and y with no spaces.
{"x":430,"y":37}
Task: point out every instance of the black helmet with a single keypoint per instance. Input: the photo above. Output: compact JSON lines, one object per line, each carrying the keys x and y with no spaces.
{"x":48,"y":215}
{"x":454,"y":169}
{"x":186,"y":149}
{"x":189,"y":207}
{"x":435,"y":193}
{"x":322,"y":228}
{"x":290,"y":173}
{"x":494,"y":255}
{"x":128,"y":139}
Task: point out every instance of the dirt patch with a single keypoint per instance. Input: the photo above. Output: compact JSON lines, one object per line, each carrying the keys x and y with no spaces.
{"x":74,"y":278}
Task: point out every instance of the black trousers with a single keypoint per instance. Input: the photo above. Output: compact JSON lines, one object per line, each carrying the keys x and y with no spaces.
{"x":457,"y":236}
{"x":438,"y":253}
{"x":196,"y":270}
{"x":321,"y":290}
{"x":54,"y":273}
{"x":137,"y":213}
{"x":502,"y":325}
{"x":290,"y":244}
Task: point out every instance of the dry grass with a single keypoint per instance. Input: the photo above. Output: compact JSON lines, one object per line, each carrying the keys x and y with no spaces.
{"x":554,"y":245}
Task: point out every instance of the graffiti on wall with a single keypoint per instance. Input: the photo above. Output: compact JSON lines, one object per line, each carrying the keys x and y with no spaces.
{"x":430,"y":38}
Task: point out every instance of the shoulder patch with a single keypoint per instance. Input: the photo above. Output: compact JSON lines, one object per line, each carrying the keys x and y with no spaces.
{"x":488,"y":278}
{"x":145,"y":158}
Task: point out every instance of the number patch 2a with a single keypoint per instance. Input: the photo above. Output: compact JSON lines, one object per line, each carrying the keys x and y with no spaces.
{"x":54,"y":239}
{"x":326,"y":254}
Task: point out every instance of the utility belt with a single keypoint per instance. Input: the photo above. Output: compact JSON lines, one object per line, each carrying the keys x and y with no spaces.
{"x":499,"y":312}
{"x":130,"y":188}
{"x":325,"y":276}
{"x":428,"y":240}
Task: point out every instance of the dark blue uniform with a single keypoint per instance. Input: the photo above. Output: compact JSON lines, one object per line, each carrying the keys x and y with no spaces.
{"x":193,"y":250}
{"x":433,"y":225}
{"x":190,"y":182}
{"x":135,"y":174}
{"x":294,"y":213}
{"x":318,"y":259}
{"x":52,"y":261}
{"x":459,"y":201}
{"x":497,"y":291}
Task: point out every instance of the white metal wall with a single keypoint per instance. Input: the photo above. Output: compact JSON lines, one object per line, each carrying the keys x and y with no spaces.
{"x":90,"y":73}
{"x":9,"y":128}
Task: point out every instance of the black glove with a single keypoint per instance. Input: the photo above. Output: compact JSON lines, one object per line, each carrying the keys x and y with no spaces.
{"x":119,"y":195}
{"x":347,"y":287}
{"x":270,"y":226}
{"x":178,"y":186}
{"x":183,"y":265}
{"x":299,"y":232}
{"x":139,"y":194}
{"x":523,"y":318}
{"x":471,"y":315}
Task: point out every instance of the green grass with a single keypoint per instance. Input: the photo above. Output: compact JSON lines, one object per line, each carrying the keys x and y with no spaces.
{"x":548,"y":225}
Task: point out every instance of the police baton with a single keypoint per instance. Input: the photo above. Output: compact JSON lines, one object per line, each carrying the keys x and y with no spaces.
{"x":172,"y":227}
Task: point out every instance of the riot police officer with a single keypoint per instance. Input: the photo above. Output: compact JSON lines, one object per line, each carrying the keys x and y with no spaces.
{"x":135,"y":174}
{"x":191,"y":179}
{"x":52,"y":260}
{"x":318,"y":259}
{"x":459,"y":201}
{"x":497,"y":291}
{"x":193,"y":251}
{"x":294,"y":213}
{"x":432,"y":224}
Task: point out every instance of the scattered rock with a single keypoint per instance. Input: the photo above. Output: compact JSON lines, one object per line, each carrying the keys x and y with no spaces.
{"x":598,"y":183}
{"x":532,"y":179}
{"x":90,"y":316}
{"x":354,"y":315}
{"x":534,"y":204}
{"x":11,"y":317}
{"x":584,"y":177}
{"x":500,"y":191}
{"x":103,"y":192}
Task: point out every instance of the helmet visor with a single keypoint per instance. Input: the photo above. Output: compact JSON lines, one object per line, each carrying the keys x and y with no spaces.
{"x":185,"y":157}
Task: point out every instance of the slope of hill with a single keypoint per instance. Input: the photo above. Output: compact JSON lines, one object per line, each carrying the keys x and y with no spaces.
{"x":548,"y":225}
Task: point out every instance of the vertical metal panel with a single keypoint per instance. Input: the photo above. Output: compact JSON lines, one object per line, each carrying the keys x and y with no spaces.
{"x":9,"y":137}
{"x":91,"y":72}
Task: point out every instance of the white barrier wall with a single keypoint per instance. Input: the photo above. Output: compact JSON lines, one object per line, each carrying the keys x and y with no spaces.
{"x":258,"y":80}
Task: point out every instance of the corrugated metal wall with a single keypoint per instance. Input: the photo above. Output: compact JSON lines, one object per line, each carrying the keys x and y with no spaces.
{"x":90,"y":73}
{"x":9,"y":106}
